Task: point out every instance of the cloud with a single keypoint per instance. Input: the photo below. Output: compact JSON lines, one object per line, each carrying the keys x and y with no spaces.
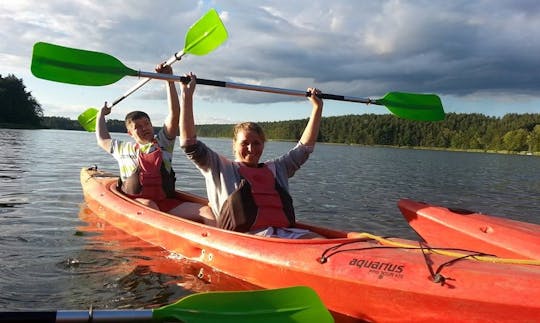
{"x":356,"y":48}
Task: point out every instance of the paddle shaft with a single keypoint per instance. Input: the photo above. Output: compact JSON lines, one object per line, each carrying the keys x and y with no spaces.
{"x":176,"y":57}
{"x":189,"y":46}
{"x":95,"y":316}
{"x":257,"y":88}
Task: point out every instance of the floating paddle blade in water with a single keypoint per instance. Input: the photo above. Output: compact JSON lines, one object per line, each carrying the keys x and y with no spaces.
{"x":293,"y":304}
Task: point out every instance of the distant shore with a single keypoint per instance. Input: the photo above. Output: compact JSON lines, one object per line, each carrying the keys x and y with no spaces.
{"x":502,"y":152}
{"x":484,"y":151}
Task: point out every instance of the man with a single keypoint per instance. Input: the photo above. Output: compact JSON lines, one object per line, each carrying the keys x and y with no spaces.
{"x":146,"y":173}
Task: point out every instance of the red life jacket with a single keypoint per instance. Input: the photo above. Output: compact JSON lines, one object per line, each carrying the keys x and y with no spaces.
{"x":257,"y":203}
{"x":151,"y":180}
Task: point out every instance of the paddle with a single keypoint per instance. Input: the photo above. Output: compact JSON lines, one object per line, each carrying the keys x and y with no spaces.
{"x":292,"y":304}
{"x":203,"y":36}
{"x":107,"y":70}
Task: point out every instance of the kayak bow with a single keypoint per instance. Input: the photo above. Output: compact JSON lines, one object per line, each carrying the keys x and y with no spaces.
{"x":441,"y":226}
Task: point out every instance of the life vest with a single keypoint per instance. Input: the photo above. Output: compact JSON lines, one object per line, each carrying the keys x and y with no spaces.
{"x":151,"y":180}
{"x":258,"y":202}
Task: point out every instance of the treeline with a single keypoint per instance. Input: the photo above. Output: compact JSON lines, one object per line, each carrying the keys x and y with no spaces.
{"x":513,"y":132}
{"x":68,"y":124}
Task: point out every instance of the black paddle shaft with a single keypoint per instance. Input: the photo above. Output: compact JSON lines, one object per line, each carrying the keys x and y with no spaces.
{"x":232,"y":85}
{"x":73,"y":316}
{"x":28,"y":317}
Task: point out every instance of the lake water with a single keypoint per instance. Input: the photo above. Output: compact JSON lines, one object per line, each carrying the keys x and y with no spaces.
{"x":56,"y":254}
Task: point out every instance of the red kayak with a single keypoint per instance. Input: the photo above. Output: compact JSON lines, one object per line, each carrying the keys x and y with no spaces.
{"x":358,"y":276}
{"x":440,"y":226}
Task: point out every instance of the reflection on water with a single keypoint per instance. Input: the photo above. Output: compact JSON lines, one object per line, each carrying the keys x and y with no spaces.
{"x":56,"y":254}
{"x":128,"y":272}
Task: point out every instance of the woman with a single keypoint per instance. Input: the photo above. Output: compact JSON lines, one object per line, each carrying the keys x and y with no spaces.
{"x":246,"y":195}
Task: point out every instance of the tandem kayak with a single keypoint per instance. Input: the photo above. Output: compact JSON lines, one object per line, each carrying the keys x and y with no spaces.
{"x":358,"y":276}
{"x":457,"y":228}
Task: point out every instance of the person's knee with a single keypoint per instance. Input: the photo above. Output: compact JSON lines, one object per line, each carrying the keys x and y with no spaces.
{"x":147,"y":202}
{"x":195,"y":212}
{"x":207,"y":215}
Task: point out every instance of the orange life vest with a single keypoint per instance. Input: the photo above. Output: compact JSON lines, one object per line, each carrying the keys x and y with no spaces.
{"x":151,"y":180}
{"x":257,"y":203}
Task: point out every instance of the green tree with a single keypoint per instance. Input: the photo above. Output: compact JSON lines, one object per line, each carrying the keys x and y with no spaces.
{"x":17,"y":106}
{"x":516,"y":140}
{"x":534,"y":139}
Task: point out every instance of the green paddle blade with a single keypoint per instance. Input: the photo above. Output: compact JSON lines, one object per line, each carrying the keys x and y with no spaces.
{"x":87,"y":119}
{"x":293,"y":304}
{"x":412,"y":106}
{"x":205,"y":35}
{"x":76,"y":66}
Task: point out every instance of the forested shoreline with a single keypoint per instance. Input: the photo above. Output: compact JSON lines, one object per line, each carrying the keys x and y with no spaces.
{"x":511,"y":133}
{"x":514,"y":133}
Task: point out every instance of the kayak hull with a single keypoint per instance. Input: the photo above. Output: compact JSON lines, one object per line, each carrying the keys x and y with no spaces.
{"x":356,"y":277}
{"x":441,"y":226}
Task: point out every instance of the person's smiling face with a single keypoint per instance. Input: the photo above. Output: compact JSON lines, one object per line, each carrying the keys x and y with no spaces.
{"x":248,"y":147}
{"x":141,"y":130}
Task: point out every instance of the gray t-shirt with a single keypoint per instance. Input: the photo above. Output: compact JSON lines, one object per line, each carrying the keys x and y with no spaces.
{"x":222,"y":176}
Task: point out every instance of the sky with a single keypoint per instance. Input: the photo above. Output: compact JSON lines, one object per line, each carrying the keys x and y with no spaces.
{"x":479,"y":56}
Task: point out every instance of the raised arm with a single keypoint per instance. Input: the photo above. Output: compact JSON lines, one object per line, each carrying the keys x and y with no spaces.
{"x":187,"y":121}
{"x":171,"y":122}
{"x":103,"y":137}
{"x":311,"y":132}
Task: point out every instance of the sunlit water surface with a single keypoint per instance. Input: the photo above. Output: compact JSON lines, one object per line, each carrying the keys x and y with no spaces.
{"x":56,"y":254}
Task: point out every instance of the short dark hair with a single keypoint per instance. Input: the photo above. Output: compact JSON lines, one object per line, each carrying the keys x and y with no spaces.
{"x":135,"y":115}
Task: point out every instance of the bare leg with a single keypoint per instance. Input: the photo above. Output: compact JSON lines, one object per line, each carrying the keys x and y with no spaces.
{"x":147,"y":202}
{"x":195,"y":212}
